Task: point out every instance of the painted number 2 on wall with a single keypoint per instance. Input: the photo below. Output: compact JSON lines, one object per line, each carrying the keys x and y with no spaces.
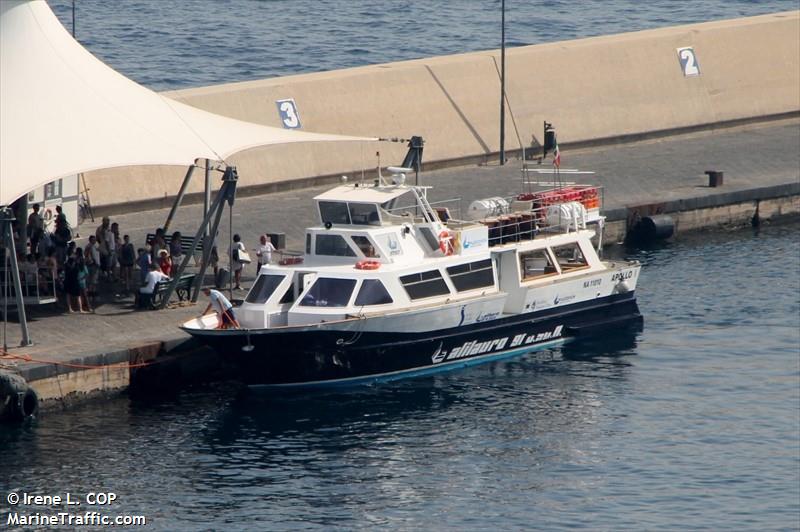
{"x":688,"y":61}
{"x":287,"y":110}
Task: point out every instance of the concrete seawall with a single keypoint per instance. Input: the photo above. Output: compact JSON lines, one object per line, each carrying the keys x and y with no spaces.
{"x":595,"y":90}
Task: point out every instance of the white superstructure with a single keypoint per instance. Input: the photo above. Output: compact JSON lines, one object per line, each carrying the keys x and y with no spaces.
{"x":383,"y":259}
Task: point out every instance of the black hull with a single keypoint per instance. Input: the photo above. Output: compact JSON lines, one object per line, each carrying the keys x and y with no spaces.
{"x":324,"y":358}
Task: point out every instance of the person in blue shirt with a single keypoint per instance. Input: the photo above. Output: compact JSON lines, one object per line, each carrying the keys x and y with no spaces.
{"x":223,"y":308}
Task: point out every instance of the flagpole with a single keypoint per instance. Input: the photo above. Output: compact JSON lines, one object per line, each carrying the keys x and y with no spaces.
{"x":502,"y":82}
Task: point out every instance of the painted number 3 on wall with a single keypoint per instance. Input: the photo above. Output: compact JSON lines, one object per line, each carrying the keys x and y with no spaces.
{"x":688,"y":61}
{"x":287,"y":110}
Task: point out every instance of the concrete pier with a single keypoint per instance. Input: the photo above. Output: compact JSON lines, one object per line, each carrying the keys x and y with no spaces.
{"x":599,"y":90}
{"x":102,"y":352}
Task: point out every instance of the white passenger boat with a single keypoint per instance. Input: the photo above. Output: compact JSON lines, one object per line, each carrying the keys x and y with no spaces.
{"x":390,"y":287}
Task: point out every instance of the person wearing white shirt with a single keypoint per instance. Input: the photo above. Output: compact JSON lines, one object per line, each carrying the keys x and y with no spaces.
{"x":264,"y":252}
{"x":110,"y":238}
{"x":222,"y":307}
{"x":92,"y":254}
{"x":154,"y":277}
{"x":236,"y":264}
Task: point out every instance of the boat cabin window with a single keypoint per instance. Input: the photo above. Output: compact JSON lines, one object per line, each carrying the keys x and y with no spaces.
{"x":365,"y":246}
{"x":570,"y":257}
{"x":329,"y":292}
{"x":401,"y":205}
{"x":473,"y":275}
{"x":289,"y":296}
{"x":308,"y":243}
{"x":389,"y":206}
{"x":334,"y":212}
{"x":424,"y":284}
{"x":373,"y":292}
{"x":264,"y":286}
{"x":364,"y":214}
{"x":536,"y":263}
{"x":334,"y":245}
{"x":341,"y":212}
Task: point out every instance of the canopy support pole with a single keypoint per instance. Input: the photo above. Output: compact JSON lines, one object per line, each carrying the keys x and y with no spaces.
{"x":227,"y":192}
{"x":6,"y":219}
{"x":503,"y":82}
{"x":179,"y":197}
{"x":223,"y":193}
{"x":207,"y":195}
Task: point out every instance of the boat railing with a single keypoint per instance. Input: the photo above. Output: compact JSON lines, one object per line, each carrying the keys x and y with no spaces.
{"x":38,"y":288}
{"x":444,"y":209}
{"x":554,"y":210}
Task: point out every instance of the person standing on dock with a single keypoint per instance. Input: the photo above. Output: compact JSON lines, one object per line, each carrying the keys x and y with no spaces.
{"x":72,"y":287}
{"x":35,"y":229}
{"x":62,"y":236}
{"x":127,"y":258}
{"x":92,"y":257}
{"x":236,"y":262}
{"x":102,"y":247}
{"x":113,"y":245}
{"x":223,"y":308}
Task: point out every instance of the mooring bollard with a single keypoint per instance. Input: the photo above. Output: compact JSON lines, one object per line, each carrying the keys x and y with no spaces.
{"x":714,"y":178}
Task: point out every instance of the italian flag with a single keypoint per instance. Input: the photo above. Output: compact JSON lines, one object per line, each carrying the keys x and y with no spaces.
{"x":557,"y":156}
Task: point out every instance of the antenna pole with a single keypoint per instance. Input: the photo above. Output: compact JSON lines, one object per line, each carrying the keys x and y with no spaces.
{"x":503,"y":82}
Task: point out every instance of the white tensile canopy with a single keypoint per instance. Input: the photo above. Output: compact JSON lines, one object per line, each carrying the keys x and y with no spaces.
{"x":62,"y":111}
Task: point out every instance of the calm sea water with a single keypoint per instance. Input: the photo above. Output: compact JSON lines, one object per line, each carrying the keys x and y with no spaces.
{"x":692,"y":423}
{"x":169,"y":44}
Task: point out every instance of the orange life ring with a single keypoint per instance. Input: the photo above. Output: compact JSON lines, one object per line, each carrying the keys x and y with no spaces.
{"x":48,"y":215}
{"x":368,"y":265}
{"x":446,"y":242}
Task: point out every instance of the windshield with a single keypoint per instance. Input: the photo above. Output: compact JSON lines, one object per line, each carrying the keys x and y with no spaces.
{"x":334,"y":212}
{"x":373,"y":293}
{"x":264,"y":286}
{"x":328,"y":292}
{"x":364,"y":214}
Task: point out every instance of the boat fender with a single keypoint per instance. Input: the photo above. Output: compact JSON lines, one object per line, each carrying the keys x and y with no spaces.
{"x":622,"y":288}
{"x":18,"y":401}
{"x":652,"y":228}
{"x":446,"y":242}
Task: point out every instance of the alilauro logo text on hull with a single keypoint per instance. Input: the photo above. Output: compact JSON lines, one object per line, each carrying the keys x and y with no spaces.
{"x":475,"y":347}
